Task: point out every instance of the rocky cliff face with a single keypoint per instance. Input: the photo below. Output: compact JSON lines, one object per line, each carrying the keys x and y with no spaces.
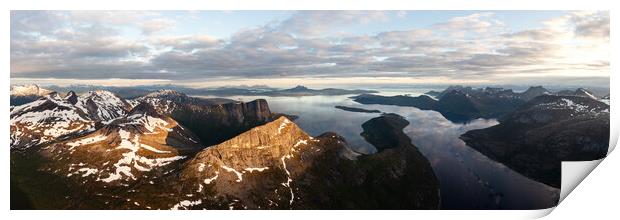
{"x":549,"y":129}
{"x":213,"y":123}
{"x":91,"y":152}
{"x":278,"y":166}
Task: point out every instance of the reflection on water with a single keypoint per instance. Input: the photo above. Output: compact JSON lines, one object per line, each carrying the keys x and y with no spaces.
{"x":468,"y":179}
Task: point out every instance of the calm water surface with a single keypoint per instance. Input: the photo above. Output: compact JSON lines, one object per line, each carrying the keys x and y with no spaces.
{"x":468,"y":179}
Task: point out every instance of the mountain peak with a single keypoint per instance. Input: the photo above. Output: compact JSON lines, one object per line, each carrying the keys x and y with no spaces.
{"x":585,"y":93}
{"x":143,"y":108}
{"x":71,"y":97}
{"x":164,"y":93}
{"x":53,"y":96}
{"x":533,"y":92}
{"x":299,"y":88}
{"x":536,"y":88}
{"x":278,"y":166}
{"x":281,"y":130}
{"x":102,"y":105}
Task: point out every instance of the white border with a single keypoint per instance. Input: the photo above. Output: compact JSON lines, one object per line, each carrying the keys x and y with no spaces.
{"x":600,"y":190}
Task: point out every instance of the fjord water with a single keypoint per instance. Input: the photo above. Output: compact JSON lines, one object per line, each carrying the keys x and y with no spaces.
{"x":468,"y":179}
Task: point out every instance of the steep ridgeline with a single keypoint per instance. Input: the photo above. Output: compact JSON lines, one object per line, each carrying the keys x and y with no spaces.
{"x":213,"y":121}
{"x":101,"y":105}
{"x":455,"y":105}
{"x":128,"y":149}
{"x":535,"y":138}
{"x":579,"y":92}
{"x":462,"y":104}
{"x":25,"y":94}
{"x":107,"y":166}
{"x":527,"y":95}
{"x":45,"y":120}
{"x":533,"y":92}
{"x":279,"y":166}
{"x":53,"y":116}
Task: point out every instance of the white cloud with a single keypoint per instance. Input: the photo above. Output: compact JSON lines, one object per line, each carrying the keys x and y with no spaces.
{"x":88,"y":45}
{"x":156,"y":25}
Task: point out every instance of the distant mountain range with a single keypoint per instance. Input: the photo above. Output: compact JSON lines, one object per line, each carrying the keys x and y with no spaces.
{"x":538,"y":129}
{"x":462,"y":104}
{"x":138,"y":91}
{"x":166,"y":150}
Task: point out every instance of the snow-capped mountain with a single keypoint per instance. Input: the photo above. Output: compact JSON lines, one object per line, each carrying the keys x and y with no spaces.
{"x":101,"y":105}
{"x":45,"y":120}
{"x":24,"y":94}
{"x":53,"y":116}
{"x":29,"y":90}
{"x":578,"y":92}
{"x":133,"y":147}
{"x":585,"y":93}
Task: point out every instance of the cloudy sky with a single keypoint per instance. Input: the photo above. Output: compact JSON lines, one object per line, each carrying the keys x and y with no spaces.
{"x":285,"y":48}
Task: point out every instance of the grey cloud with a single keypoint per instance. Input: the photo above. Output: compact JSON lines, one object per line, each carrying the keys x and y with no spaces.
{"x":592,"y":26}
{"x":534,"y":35}
{"x":89,"y":47}
{"x":317,"y":22}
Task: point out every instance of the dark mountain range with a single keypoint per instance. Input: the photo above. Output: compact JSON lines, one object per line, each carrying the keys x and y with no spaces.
{"x":462,"y":104}
{"x":530,"y":93}
{"x":456,"y":105}
{"x":213,"y":121}
{"x":422,"y":102}
{"x":579,"y":92}
{"x":353,"y":109}
{"x":536,"y":137}
{"x":534,"y":92}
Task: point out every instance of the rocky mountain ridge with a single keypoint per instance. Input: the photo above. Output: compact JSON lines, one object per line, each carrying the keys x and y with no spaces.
{"x":279,"y":166}
{"x":548,"y":129}
{"x":461,"y":104}
{"x":145,"y":160}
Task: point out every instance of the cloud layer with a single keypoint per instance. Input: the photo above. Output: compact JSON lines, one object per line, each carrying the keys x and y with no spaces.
{"x":95,"y":45}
